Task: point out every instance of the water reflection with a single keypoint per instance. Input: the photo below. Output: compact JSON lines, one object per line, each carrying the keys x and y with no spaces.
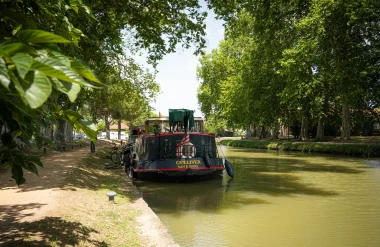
{"x":372,"y":164}
{"x":207,"y":196}
{"x":281,"y":176}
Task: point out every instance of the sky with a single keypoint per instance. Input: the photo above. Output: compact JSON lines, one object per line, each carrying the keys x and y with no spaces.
{"x":177,"y":73}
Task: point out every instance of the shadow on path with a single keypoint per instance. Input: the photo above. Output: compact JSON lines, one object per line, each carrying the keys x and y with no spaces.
{"x":54,"y":173}
{"x":42,"y":232}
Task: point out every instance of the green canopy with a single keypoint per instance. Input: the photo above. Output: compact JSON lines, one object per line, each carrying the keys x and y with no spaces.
{"x":181,"y":115}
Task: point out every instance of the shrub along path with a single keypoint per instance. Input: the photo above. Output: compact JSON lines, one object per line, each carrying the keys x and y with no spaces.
{"x":357,"y":146}
{"x":67,"y":206}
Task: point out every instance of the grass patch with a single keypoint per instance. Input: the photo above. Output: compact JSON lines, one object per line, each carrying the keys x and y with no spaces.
{"x":113,"y":223}
{"x":363,"y":149}
{"x":69,"y":146}
{"x":83,"y":215}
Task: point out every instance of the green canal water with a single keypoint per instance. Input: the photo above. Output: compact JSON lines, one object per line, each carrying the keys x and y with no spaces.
{"x":275,"y":199}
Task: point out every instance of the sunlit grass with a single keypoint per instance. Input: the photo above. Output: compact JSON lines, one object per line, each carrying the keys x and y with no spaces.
{"x":113,"y":222}
{"x":82,"y":214}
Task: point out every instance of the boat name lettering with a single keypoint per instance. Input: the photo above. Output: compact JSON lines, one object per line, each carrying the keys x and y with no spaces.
{"x":187,"y":166}
{"x":188,"y":162}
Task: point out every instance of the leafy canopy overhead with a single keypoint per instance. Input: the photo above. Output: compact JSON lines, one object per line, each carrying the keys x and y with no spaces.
{"x":46,"y":49}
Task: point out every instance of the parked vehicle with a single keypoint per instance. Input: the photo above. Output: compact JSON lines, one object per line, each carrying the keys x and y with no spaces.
{"x":79,"y":136}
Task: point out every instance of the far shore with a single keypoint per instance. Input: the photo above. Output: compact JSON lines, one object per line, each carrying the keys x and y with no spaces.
{"x":361,"y":146}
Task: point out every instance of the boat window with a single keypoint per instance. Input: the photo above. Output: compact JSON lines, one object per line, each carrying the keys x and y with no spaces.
{"x":161,"y":125}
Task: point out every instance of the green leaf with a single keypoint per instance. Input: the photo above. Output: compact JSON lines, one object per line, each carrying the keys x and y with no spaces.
{"x":72,"y":116}
{"x":11,"y":49}
{"x":75,"y":8}
{"x":40,"y":36}
{"x":15,"y":30}
{"x":62,"y":58}
{"x":31,"y":167}
{"x":50,"y":46}
{"x":41,"y":141}
{"x":18,"y":17}
{"x":78,"y":32}
{"x":69,"y":25}
{"x":6,"y":164}
{"x":22,"y":107}
{"x":4,"y":77}
{"x":84,"y":71}
{"x":18,"y":174}
{"x":30,"y":163}
{"x":35,"y":159}
{"x":74,"y":90}
{"x":71,"y":89}
{"x":88,"y":128}
{"x":17,"y":85}
{"x":54,"y":68}
{"x":86,"y":10}
{"x":23,"y":63}
{"x":39,"y":91}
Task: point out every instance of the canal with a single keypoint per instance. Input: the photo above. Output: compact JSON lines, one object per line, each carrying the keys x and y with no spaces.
{"x":275,"y":199}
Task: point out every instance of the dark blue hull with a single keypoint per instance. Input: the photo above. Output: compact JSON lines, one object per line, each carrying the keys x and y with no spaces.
{"x":179,"y":176}
{"x":164,"y":158}
{"x":178,"y":170}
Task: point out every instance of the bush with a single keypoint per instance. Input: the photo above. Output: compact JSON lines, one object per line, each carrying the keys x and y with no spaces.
{"x":364,"y":150}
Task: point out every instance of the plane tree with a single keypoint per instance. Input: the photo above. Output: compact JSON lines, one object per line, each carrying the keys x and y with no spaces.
{"x":333,"y":59}
{"x":45,"y":48}
{"x":220,"y":91}
{"x":309,"y":58}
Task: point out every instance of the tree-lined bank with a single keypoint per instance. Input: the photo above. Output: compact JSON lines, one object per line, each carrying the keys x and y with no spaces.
{"x":310,"y":66}
{"x":367,"y":150}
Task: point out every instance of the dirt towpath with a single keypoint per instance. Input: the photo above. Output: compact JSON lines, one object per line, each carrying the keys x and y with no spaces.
{"x":39,"y":199}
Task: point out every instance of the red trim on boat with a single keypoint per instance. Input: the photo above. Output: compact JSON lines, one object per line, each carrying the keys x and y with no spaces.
{"x":177,"y":169}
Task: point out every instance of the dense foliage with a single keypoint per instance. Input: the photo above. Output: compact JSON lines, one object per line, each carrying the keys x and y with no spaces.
{"x":368,"y":150}
{"x":294,"y":62}
{"x":47,"y":48}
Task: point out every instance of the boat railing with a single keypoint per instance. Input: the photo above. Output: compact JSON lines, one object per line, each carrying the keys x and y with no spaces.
{"x":170,"y":152}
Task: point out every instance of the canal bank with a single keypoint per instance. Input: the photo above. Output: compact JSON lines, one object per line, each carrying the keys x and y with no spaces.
{"x":67,"y":205}
{"x":363,"y":149}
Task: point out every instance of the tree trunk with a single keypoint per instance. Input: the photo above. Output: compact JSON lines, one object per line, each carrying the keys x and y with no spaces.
{"x":107,"y":123}
{"x":321,"y":129}
{"x":249,"y":132}
{"x":254,"y":133}
{"x":52,"y":132}
{"x":131,"y":123}
{"x":275,"y":131}
{"x":60,"y":132}
{"x":304,"y":129}
{"x":68,"y":132}
{"x":322,"y":119}
{"x":345,"y":133}
{"x":46,"y":132}
{"x":119,"y":129}
{"x":262,"y":132}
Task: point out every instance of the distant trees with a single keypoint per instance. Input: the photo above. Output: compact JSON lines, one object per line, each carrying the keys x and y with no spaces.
{"x":293,"y":61}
